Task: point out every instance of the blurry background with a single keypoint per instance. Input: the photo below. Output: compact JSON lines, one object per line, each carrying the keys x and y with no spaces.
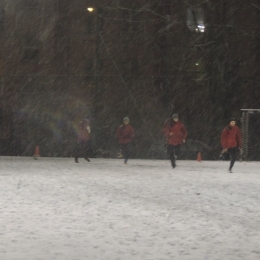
{"x":64,"y":60}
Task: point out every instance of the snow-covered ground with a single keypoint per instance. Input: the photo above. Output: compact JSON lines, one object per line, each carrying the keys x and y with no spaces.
{"x":54,"y":209}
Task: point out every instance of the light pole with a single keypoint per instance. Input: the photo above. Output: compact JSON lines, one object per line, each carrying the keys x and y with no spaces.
{"x":97,"y":94}
{"x":97,"y":57}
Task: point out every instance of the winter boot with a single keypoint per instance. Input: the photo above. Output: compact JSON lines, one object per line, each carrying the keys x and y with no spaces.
{"x":173,"y":162}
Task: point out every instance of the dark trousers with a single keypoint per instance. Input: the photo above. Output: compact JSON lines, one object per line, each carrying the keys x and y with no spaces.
{"x":233,"y":153}
{"x":82,"y":149}
{"x":174,"y":151}
{"x":126,"y":149}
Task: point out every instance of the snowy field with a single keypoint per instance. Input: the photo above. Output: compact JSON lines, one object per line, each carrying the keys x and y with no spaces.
{"x":54,"y":209}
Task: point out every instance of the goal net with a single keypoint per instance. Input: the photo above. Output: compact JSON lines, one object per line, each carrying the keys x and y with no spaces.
{"x":251,"y":134}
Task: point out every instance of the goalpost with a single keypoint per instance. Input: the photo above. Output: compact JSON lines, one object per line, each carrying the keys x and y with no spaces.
{"x":251,"y":133}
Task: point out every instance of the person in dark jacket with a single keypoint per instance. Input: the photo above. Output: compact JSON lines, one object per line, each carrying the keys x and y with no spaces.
{"x":231,"y":141}
{"x":83,"y":146}
{"x":176,"y":135}
{"x":125,"y":135}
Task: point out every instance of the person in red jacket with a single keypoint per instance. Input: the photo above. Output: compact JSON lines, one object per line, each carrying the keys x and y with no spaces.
{"x":176,"y":135}
{"x":231,"y":141}
{"x":125,"y":135}
{"x":83,"y":145}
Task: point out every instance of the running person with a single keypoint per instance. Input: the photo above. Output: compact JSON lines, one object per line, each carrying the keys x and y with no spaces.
{"x":231,"y":141}
{"x":125,"y":135}
{"x":84,"y":145}
{"x":176,"y":135}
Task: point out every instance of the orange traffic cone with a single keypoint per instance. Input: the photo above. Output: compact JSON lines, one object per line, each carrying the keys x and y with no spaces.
{"x":199,"y":157}
{"x":36,"y":153}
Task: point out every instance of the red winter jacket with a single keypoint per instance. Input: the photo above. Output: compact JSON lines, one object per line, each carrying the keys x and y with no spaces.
{"x":84,"y":131}
{"x":231,"y":137}
{"x":125,"y":134}
{"x":175,"y":132}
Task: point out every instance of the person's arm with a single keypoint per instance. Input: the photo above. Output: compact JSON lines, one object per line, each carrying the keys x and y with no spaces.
{"x":166,"y":129}
{"x":223,"y":138}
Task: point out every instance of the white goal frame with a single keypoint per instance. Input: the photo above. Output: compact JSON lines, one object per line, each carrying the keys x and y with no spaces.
{"x":245,"y":129}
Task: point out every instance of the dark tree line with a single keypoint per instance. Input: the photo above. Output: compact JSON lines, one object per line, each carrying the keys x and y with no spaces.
{"x":142,"y":59}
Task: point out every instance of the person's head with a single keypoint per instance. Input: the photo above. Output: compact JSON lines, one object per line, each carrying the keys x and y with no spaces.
{"x":175,"y":117}
{"x":232,"y":121}
{"x":126,"y":120}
